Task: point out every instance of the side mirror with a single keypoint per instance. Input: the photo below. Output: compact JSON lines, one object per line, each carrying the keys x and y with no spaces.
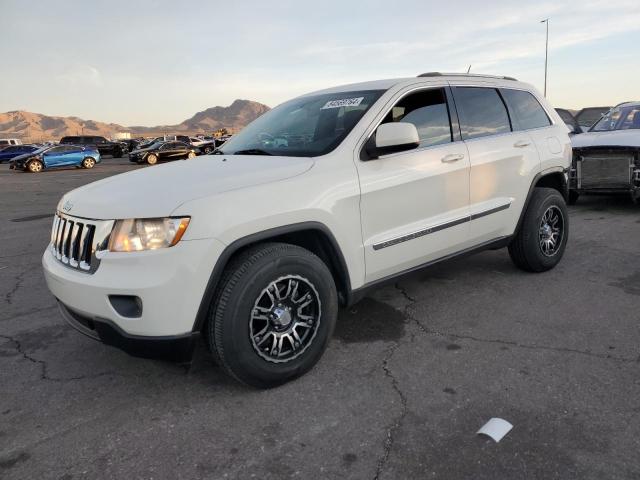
{"x":392,"y":138}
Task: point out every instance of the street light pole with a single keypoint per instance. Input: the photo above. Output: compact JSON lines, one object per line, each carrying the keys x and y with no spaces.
{"x":546,"y":56}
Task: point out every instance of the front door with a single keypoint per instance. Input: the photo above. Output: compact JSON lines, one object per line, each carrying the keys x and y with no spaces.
{"x":415,"y":204}
{"x":59,"y":156}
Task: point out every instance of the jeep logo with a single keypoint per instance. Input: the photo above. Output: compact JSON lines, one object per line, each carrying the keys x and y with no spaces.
{"x":67,"y":206}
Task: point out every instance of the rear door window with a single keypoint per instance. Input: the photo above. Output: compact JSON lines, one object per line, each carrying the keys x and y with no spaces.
{"x":59,"y":149}
{"x":526,"y":111}
{"x":482,"y":112}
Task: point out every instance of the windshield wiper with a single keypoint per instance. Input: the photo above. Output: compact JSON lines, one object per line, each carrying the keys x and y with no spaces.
{"x":252,"y":151}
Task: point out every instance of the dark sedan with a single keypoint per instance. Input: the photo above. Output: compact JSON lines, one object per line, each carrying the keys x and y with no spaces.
{"x":13,"y":151}
{"x":162,"y":151}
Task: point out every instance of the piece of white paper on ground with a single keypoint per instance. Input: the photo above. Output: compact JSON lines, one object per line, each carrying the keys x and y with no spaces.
{"x":495,"y":428}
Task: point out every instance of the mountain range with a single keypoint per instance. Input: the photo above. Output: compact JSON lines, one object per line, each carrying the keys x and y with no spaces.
{"x":31,"y":126}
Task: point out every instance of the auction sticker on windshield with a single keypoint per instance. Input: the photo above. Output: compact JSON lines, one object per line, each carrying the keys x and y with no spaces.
{"x":343,"y":102}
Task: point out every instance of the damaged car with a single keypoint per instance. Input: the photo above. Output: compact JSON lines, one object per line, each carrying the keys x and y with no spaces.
{"x":606,"y":159}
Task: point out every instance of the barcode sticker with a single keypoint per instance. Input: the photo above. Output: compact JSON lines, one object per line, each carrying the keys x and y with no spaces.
{"x":343,"y":102}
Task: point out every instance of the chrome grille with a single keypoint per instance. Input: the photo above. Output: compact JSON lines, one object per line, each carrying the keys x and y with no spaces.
{"x":75,"y":241}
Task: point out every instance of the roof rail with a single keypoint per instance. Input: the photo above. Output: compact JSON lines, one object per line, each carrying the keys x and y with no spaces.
{"x":440,"y":74}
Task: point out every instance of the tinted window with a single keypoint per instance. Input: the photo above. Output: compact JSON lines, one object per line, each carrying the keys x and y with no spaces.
{"x":482,"y":112}
{"x":56,"y":150}
{"x":68,"y":139}
{"x":428,"y":111}
{"x":525,"y":109}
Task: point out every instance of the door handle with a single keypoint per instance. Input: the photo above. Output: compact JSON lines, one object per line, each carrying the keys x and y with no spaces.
{"x":452,"y":157}
{"x":521,"y":144}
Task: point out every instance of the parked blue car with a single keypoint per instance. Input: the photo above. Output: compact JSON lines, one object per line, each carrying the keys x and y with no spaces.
{"x":12,"y":151}
{"x":53,"y":156}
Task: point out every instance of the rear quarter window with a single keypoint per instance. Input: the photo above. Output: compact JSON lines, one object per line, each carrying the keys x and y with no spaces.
{"x":482,"y":112}
{"x":526,"y":111}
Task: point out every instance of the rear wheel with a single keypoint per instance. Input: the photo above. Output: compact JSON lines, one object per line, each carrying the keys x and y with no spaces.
{"x":152,"y":159}
{"x":541,"y":240}
{"x":35,"y":166}
{"x":88,"y":162}
{"x":208,"y":150}
{"x":191,"y":155}
{"x":273,"y":314}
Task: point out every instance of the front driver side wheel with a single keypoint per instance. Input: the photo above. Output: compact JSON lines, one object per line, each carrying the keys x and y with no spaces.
{"x":273,"y":314}
{"x":191,"y":155}
{"x":88,"y":163}
{"x":35,"y":166}
{"x":152,"y":159}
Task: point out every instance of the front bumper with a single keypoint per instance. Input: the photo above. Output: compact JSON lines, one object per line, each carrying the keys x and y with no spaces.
{"x":169,"y":282}
{"x":178,"y":348}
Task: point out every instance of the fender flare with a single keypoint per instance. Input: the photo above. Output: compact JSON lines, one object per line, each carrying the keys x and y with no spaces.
{"x":236,"y":245}
{"x":534,"y":182}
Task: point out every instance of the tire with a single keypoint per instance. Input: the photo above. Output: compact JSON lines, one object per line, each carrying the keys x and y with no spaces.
{"x":34,"y":166}
{"x":250,"y":331}
{"x":573,"y":197}
{"x":191,"y":155}
{"x":152,"y":159}
{"x":531,"y":249}
{"x":208,"y":150}
{"x":88,"y":163}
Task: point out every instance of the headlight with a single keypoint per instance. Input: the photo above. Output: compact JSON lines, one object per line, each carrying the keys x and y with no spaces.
{"x":135,"y":235}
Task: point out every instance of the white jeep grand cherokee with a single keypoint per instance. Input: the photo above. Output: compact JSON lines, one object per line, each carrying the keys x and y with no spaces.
{"x":311,"y":205}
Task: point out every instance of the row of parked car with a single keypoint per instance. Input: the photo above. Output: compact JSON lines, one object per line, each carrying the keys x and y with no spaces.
{"x":86,"y":151}
{"x":605,"y":141}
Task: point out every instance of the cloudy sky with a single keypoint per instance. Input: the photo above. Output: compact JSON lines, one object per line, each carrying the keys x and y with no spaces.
{"x":156,"y":62}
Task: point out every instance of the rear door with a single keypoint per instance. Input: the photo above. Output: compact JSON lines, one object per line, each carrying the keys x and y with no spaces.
{"x":528,"y":115}
{"x":73,"y":155}
{"x":414,"y":205}
{"x":503,"y":162}
{"x":181,"y":150}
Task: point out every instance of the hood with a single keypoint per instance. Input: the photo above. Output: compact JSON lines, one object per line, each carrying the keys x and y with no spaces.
{"x":157,"y":191}
{"x":614,"y":138}
{"x":25,"y":156}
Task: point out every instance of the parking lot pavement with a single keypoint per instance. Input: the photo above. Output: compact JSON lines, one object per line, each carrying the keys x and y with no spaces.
{"x":412,"y":373}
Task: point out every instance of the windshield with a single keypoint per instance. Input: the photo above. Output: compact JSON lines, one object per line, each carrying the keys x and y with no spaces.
{"x":623,"y":117}
{"x":304,"y":127}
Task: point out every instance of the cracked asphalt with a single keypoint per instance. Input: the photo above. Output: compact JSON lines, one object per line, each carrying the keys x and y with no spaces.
{"x":414,"y":370}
